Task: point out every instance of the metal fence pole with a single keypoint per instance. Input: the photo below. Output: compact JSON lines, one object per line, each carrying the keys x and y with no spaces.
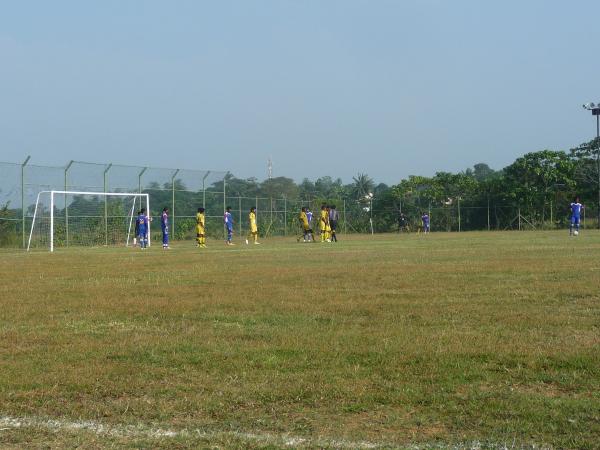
{"x":488,"y":212}
{"x":284,"y":215}
{"x":23,"y":197}
{"x":224,"y":202}
{"x":106,"y":205}
{"x":458,"y":203}
{"x":67,"y":206}
{"x":204,"y":189}
{"x":240,"y":216}
{"x":345,"y":221}
{"x":173,"y":202}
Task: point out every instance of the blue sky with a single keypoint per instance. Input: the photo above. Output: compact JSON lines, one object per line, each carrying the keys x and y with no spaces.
{"x":326,"y":87}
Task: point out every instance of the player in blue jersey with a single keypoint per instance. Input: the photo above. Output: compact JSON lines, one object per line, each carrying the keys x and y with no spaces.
{"x":143,"y":226}
{"x":164,"y":226}
{"x":425,"y":221}
{"x":228,"y":221}
{"x":576,"y":208}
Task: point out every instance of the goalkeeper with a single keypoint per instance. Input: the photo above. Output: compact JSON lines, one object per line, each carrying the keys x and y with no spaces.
{"x":143,"y":225}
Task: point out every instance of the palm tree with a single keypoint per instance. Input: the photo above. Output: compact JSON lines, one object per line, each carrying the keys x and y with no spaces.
{"x":363,"y":185}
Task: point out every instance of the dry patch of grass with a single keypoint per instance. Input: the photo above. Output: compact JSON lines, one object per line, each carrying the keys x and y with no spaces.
{"x":401,"y":340}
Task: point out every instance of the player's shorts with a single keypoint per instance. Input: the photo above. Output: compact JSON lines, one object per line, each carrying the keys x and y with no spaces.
{"x":254,"y":229}
{"x":575,"y":220}
{"x":333,"y":224}
{"x":199,"y":230}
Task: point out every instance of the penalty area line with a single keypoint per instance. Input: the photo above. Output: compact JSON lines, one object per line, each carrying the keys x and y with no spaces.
{"x":142,"y":431}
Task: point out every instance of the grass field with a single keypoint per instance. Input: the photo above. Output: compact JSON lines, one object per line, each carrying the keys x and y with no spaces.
{"x":449,"y":340}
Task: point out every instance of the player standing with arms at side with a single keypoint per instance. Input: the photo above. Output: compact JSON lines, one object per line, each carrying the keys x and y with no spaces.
{"x":164,"y":226}
{"x":253,"y":227}
{"x":200,"y":229}
{"x":228,"y":221}
{"x":576,"y":208}
{"x":143,"y":225}
{"x":425,"y":221}
{"x":324,"y":223}
{"x":333,"y":221}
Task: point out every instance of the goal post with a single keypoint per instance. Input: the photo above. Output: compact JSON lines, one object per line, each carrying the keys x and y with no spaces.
{"x":94,"y":218}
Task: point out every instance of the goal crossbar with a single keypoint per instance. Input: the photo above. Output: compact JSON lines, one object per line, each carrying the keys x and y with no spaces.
{"x":99,"y":194}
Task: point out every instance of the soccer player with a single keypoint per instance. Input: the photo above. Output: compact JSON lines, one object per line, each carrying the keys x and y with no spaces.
{"x":253,"y":227}
{"x":403,"y":223}
{"x":200,"y":228}
{"x":228,"y":221}
{"x":323,"y":219}
{"x":576,"y":208}
{"x":164,"y":226}
{"x":425,"y":221}
{"x":143,"y":225}
{"x":137,"y":228}
{"x":305,"y":224}
{"x":333,"y":220}
{"x":309,"y":216}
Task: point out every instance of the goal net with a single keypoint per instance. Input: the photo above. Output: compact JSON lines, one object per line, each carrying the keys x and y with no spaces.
{"x":69,"y":218}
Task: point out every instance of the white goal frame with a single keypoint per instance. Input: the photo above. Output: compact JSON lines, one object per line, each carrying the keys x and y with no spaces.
{"x":99,"y":194}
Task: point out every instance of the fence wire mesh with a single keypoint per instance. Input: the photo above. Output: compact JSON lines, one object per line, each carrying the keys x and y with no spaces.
{"x":183,"y":191}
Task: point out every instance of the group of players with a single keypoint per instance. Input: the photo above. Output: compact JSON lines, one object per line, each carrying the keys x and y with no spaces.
{"x":327,"y":221}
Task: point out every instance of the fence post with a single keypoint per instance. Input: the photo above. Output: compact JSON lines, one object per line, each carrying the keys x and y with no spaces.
{"x":284,"y":215}
{"x":551,"y":216}
{"x":271,"y":208}
{"x":519,"y":213}
{"x":173,"y":203}
{"x":345,"y":221}
{"x":106,"y":205}
{"x":66,"y":206}
{"x":458,"y":203}
{"x":204,"y":189}
{"x":488,"y":212}
{"x":240,"y":216}
{"x":23,"y":197}
{"x":224,"y":202}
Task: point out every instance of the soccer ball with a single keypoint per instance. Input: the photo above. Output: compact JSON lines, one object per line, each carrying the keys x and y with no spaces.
{"x":576,"y":233}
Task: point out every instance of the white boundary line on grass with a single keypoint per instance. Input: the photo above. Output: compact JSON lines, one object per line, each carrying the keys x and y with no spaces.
{"x":141,"y":431}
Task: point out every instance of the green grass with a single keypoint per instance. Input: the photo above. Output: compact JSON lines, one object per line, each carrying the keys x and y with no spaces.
{"x":434,"y":341}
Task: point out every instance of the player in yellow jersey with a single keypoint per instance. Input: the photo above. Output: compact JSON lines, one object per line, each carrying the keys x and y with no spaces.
{"x":306,"y":231}
{"x":253,"y":227}
{"x":201,"y":228}
{"x":324,"y":223}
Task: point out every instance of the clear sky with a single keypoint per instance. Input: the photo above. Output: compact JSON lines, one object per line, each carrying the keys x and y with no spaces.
{"x":327,"y":87}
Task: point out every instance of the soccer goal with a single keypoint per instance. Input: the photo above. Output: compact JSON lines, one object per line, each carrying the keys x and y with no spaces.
{"x":66,"y":218}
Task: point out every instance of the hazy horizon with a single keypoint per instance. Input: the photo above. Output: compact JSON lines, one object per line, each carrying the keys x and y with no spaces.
{"x":325,"y":88}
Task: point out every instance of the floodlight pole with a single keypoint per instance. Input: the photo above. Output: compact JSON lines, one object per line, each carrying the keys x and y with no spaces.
{"x":173,"y":202}
{"x":23,"y":197}
{"x":140,"y":180}
{"x":106,"y":204}
{"x":596,"y":112}
{"x":67,"y":206}
{"x":204,"y":189}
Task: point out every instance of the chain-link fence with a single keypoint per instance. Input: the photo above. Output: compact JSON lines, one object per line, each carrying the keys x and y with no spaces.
{"x":183,"y":191}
